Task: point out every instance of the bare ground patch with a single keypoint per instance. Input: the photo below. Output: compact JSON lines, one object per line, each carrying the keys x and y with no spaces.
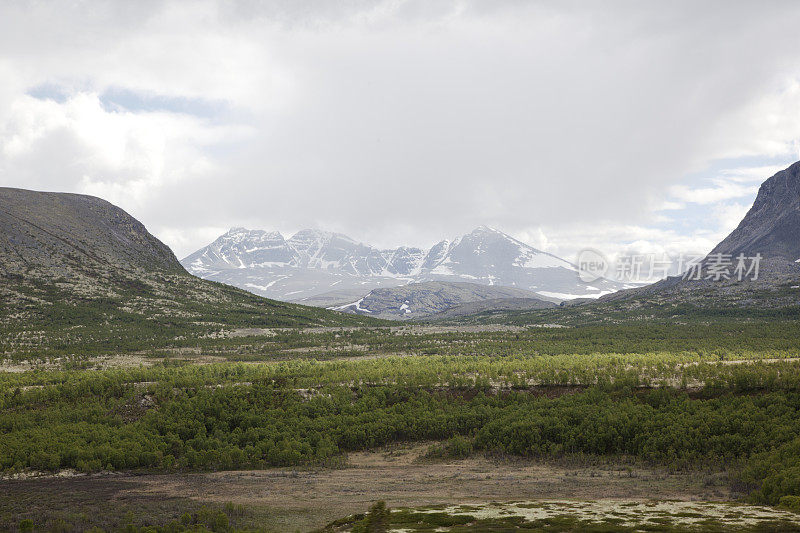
{"x":310,"y":498}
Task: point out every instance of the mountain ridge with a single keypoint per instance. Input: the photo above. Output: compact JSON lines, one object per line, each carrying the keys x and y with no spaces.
{"x":770,"y":230}
{"x":314,"y":262}
{"x":771,"y":226}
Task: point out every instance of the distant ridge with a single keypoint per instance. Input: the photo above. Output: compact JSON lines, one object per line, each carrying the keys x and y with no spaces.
{"x":312,"y":263}
{"x":421,"y":300}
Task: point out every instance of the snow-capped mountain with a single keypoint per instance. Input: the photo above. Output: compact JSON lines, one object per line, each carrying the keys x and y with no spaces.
{"x":241,"y":248}
{"x":491,"y":257}
{"x":312,"y":263}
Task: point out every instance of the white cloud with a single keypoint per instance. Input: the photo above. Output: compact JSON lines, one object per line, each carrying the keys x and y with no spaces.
{"x":668,"y":205}
{"x":124,"y":157}
{"x":403,"y":121}
{"x":751,"y":174}
{"x":723,"y":190}
{"x":615,"y":240}
{"x":730,"y":183}
{"x":185,"y":239}
{"x":729,"y":215}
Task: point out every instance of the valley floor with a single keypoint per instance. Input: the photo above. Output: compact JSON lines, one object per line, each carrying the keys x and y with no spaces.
{"x":287,"y":499}
{"x":292,"y":430}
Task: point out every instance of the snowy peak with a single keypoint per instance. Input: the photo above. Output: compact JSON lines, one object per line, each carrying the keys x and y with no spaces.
{"x":310,"y":240}
{"x":241,"y":248}
{"x":489,"y":255}
{"x":313,"y":262}
{"x":403,"y":261}
{"x":487,"y":230}
{"x":322,"y":249}
{"x":338,"y":252}
{"x":236,"y":236}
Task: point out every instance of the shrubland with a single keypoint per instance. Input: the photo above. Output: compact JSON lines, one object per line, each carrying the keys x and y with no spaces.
{"x":738,"y":410}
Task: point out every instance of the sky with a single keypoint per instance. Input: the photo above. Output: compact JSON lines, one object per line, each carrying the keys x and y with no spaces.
{"x":622,"y":126}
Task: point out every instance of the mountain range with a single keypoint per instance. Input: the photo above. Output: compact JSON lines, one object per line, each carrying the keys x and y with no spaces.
{"x":314,"y":265}
{"x":77,"y":267}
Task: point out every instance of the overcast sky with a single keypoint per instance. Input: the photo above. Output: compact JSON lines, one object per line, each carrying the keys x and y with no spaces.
{"x":617,"y":125}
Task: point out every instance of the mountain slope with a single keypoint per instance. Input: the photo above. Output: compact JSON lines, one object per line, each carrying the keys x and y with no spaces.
{"x":314,"y":263}
{"x":490,"y":307}
{"x":772,"y":226}
{"x":491,"y":257}
{"x":76,"y":269}
{"x":418,"y":300}
{"x":771,"y":229}
{"x":51,"y":235}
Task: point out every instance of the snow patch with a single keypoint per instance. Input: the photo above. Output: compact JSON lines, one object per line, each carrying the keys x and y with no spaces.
{"x":268,"y":264}
{"x":531,"y":259}
{"x":356,"y":304}
{"x":268,"y":285}
{"x":567,"y":296}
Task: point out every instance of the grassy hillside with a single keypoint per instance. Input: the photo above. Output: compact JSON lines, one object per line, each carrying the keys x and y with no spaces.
{"x":78,"y":274}
{"x":685,"y":305}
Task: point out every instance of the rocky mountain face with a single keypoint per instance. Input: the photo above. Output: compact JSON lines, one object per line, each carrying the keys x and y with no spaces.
{"x":314,"y":263}
{"x":419,"y":300}
{"x":82,"y":262}
{"x":772,"y":226}
{"x":486,"y":308}
{"x":51,"y":236}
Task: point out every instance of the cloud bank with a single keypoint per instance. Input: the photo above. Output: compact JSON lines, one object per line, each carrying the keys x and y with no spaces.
{"x":626,"y":125}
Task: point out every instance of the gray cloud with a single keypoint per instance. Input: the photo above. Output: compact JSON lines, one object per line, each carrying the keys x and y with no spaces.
{"x":395,"y":122}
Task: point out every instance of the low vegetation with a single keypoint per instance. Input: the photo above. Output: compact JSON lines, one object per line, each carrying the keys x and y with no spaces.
{"x":677,"y":397}
{"x":679,"y":410}
{"x":553,"y":517}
